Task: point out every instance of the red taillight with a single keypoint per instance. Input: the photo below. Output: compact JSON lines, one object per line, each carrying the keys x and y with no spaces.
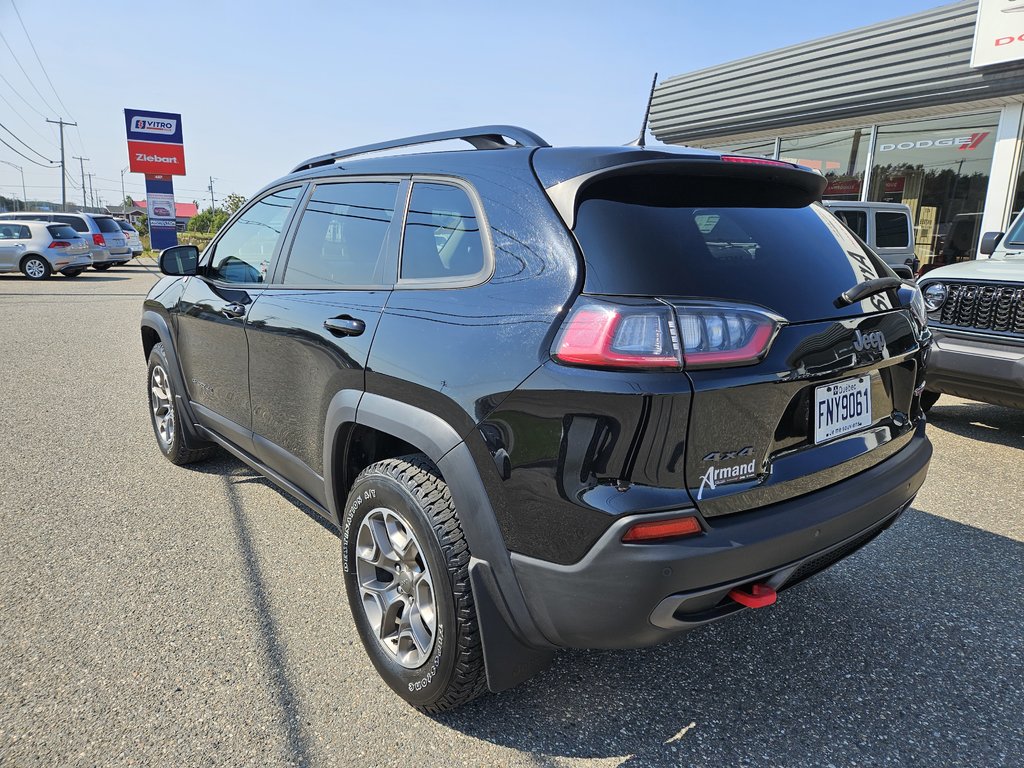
{"x":755,"y":161}
{"x":662,"y":529}
{"x":607,"y":335}
{"x":98,"y":240}
{"x":716,"y":335}
{"x":60,"y":244}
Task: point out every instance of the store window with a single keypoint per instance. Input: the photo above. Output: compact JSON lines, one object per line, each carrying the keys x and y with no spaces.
{"x":839,"y":155}
{"x":753,"y":149}
{"x":940,"y":168}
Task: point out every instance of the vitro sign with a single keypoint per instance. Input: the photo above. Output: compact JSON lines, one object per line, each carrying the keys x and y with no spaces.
{"x":998,"y":33}
{"x":973,"y":141}
{"x":154,"y":142}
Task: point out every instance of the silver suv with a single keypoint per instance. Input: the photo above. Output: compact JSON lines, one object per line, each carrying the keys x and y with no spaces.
{"x":108,"y":244}
{"x":887,"y":228}
{"x":39,"y":249}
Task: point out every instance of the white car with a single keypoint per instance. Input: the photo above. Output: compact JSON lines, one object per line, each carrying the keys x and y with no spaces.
{"x":131,"y":235}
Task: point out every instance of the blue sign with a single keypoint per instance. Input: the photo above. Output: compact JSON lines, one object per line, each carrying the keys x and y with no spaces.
{"x":163,"y":230}
{"x":161,"y":127}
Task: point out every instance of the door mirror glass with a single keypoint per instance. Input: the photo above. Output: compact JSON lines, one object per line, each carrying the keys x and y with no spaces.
{"x":179,"y":260}
{"x":989,"y":241}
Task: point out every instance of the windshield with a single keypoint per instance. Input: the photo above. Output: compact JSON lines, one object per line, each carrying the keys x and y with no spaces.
{"x":1014,"y":239}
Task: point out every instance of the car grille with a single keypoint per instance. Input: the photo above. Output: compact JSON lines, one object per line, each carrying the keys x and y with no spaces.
{"x":987,"y":307}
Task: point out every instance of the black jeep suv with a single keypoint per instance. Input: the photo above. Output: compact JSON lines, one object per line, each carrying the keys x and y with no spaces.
{"x":551,"y":397}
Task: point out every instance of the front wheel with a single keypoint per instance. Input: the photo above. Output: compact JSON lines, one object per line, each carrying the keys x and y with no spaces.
{"x":102,"y":267}
{"x":407,"y":577}
{"x":73,"y":272}
{"x":170,"y":436}
{"x":35,"y":268}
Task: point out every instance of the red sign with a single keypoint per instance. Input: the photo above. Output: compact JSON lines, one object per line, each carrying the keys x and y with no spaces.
{"x":897,"y":184}
{"x":843,"y":187}
{"x":156,"y":157}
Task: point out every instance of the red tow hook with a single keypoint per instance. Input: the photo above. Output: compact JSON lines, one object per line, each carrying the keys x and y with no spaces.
{"x":759,"y":596}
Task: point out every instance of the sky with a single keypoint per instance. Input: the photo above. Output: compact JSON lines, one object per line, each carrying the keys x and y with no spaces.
{"x":261,"y":86}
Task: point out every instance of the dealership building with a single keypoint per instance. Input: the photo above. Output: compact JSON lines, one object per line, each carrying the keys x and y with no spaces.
{"x":927,"y":110}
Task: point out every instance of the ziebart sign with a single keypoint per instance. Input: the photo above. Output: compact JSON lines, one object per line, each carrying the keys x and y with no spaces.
{"x":156,"y":149}
{"x":998,"y":33}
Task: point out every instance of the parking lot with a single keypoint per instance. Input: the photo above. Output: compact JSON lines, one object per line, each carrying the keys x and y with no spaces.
{"x":155,"y":615}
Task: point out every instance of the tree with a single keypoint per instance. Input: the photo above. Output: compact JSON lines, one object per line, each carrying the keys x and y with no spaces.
{"x":233,"y":202}
{"x":209,"y":220}
{"x":143,"y":225}
{"x":128,"y":202}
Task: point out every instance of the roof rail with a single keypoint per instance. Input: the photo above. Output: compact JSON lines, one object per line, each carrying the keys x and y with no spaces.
{"x":481,"y":137}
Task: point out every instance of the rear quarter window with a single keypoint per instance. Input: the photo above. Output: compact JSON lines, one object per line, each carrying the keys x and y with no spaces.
{"x":892,"y":229}
{"x":637,"y":241}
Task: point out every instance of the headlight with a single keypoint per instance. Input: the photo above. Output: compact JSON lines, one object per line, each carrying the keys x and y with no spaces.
{"x":935,"y":296}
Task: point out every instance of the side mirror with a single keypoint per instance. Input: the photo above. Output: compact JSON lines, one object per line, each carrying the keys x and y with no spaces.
{"x":179,"y":260}
{"x":989,"y":241}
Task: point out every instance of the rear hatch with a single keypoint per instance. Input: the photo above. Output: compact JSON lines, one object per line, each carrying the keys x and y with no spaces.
{"x":67,"y":240}
{"x":792,"y":390}
{"x":112,"y":234}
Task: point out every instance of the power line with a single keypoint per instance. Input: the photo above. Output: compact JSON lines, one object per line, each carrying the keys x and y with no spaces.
{"x":21,"y":154}
{"x":15,"y":92}
{"x":26,"y":122}
{"x":18,"y":62}
{"x":45,"y":73}
{"x":24,"y":144}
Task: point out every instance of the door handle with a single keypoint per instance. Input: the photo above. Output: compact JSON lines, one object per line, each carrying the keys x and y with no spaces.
{"x":344,"y":326}
{"x":234,"y":309}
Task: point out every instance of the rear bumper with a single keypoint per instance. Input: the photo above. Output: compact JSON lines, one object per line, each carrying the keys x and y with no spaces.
{"x":627,"y":595}
{"x":977,"y":368}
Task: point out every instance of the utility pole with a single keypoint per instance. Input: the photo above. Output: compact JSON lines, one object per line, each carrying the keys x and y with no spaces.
{"x":123,"y":195}
{"x":213,"y":203}
{"x":63,"y":173}
{"x":92,"y":195}
{"x":24,"y":195}
{"x":81,"y":165}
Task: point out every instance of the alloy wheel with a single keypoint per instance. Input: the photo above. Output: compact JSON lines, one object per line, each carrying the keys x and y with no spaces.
{"x":35,"y":269}
{"x":162,"y":403}
{"x":396,"y":587}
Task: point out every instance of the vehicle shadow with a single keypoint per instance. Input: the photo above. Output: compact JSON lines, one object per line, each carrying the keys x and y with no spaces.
{"x":980,"y":421}
{"x":224,"y":464}
{"x":908,"y":652}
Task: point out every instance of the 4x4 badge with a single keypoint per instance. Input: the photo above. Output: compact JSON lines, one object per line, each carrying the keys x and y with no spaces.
{"x":726,"y":455}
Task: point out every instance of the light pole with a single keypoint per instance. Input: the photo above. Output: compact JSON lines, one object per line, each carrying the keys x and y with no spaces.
{"x":24,"y":196}
{"x":123,"y":195}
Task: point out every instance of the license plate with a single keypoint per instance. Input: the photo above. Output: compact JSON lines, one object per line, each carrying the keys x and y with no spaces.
{"x":842,"y":408}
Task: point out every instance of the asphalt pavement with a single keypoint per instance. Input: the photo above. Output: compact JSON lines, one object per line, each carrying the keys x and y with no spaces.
{"x":152,"y":615}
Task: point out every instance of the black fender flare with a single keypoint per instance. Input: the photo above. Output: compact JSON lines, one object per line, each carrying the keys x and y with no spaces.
{"x":155,"y":321}
{"x":514,"y":649}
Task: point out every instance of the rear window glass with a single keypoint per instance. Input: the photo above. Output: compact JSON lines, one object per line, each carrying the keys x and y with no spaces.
{"x":892,"y":229}
{"x":108,"y":225}
{"x":61,"y":230}
{"x":124,"y":225}
{"x":856,"y":221}
{"x":795,"y":261}
{"x":77,"y":222}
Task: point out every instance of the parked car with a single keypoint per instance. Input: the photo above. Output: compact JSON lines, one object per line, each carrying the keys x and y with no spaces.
{"x":131,"y":235}
{"x":888,"y":228}
{"x":38,"y":249}
{"x":976,"y":311}
{"x":552,"y":398}
{"x":107,"y":242}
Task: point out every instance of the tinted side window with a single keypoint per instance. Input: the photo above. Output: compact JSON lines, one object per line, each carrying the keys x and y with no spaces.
{"x":244,"y":251}
{"x":341,"y":236}
{"x":442,"y":234}
{"x":891,"y":230}
{"x":24,"y":233}
{"x":855,"y":220}
{"x":77,"y":222}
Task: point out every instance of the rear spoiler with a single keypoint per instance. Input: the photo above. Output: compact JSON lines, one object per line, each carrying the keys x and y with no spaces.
{"x":782,"y":184}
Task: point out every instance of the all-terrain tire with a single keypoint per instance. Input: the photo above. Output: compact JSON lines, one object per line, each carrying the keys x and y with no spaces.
{"x":173,"y":442}
{"x":452,"y":674}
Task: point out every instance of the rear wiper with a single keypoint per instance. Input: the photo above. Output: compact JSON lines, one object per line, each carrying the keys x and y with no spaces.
{"x":861,"y":291}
